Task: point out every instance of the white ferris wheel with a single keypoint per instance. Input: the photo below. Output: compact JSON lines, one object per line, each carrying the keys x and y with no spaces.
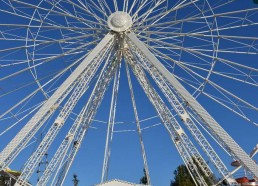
{"x":195,"y":62}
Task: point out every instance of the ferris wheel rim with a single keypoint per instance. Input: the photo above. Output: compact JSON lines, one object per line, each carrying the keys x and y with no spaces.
{"x":211,"y":52}
{"x":34,"y":75}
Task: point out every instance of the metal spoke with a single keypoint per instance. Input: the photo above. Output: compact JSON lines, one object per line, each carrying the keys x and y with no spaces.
{"x":194,"y":63}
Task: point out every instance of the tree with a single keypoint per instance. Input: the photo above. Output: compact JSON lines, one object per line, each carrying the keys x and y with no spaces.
{"x":2,"y":179}
{"x":75,"y":180}
{"x":144,"y":179}
{"x":182,"y":177}
{"x":255,"y":1}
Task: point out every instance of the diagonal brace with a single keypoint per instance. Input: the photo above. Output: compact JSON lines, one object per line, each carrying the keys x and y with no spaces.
{"x":227,"y":141}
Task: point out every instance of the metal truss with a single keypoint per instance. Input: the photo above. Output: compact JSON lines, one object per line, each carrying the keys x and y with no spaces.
{"x":110,"y":128}
{"x":146,"y":168}
{"x":82,"y":123}
{"x":30,"y":129}
{"x":181,"y":111}
{"x":177,"y":134}
{"x":79,"y":90}
{"x":223,"y":137}
{"x":92,"y":105}
{"x":91,"y":39}
{"x":112,"y":49}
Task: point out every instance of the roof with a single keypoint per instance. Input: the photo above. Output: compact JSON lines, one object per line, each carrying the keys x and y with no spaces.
{"x":117,"y":182}
{"x":9,"y":171}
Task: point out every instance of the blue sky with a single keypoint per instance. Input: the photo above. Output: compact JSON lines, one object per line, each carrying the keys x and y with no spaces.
{"x":126,"y":160}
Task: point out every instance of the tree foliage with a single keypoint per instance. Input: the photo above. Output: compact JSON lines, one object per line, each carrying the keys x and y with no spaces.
{"x":75,"y":180}
{"x":182,"y":176}
{"x":144,"y":179}
{"x":255,"y":1}
{"x":2,"y":180}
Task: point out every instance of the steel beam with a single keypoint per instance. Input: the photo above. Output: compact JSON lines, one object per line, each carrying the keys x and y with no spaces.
{"x":227,"y":141}
{"x":30,"y":129}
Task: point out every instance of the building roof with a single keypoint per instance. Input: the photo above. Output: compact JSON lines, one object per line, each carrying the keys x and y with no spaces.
{"x":117,"y":182}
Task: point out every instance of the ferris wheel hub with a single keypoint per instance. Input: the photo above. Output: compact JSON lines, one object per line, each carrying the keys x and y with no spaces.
{"x":120,"y":21}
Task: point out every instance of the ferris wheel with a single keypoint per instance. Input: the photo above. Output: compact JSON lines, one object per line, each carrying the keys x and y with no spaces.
{"x":194,"y":61}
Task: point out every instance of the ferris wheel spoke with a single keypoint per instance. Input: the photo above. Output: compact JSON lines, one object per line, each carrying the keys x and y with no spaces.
{"x":79,"y":90}
{"x":192,"y":51}
{"x":12,"y":35}
{"x":185,"y":55}
{"x":228,"y":103}
{"x":168,"y":42}
{"x":125,"y":5}
{"x":38,"y":57}
{"x":53,"y":76}
{"x":199,"y":34}
{"x":134,"y":4}
{"x":105,"y":7}
{"x":19,"y":120}
{"x":229,"y":106}
{"x":47,"y":26}
{"x":189,"y":122}
{"x":23,"y":137}
{"x":141,"y":4}
{"x":219,"y":100}
{"x":91,"y":9}
{"x":200,"y":16}
{"x":139,"y":130}
{"x":87,"y":11}
{"x":97,"y":7}
{"x":81,"y":124}
{"x":66,"y":52}
{"x":209,"y":81}
{"x":198,"y":55}
{"x":111,"y":124}
{"x":91,"y":108}
{"x":23,"y":86}
{"x":224,"y":138}
{"x":62,"y":13}
{"x":149,"y":11}
{"x":43,"y":62}
{"x":246,"y":78}
{"x":224,"y":93}
{"x":156,"y":50}
{"x":115,"y":5}
{"x":233,"y":76}
{"x":160,"y":16}
{"x":149,"y":7}
{"x":77,"y":16}
{"x":62,"y":40}
{"x":239,"y":100}
{"x":194,"y":77}
{"x":141,"y":18}
{"x":42,"y":86}
{"x":20,"y":14}
{"x":168,"y":119}
{"x":50,"y":24}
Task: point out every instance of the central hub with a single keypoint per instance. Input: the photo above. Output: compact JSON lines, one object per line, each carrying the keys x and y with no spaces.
{"x":120,"y":21}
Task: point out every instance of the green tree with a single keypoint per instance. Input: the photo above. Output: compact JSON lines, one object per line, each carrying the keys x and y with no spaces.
{"x":182,"y":177}
{"x":75,"y":180}
{"x":2,"y":180}
{"x":255,"y":1}
{"x":144,"y":179}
